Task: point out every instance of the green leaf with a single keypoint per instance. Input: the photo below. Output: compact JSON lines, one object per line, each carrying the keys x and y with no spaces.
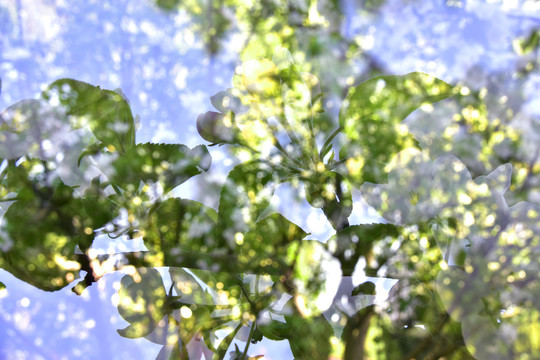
{"x":168,"y":164}
{"x":359,"y":239}
{"x":296,"y":95}
{"x":47,"y":223}
{"x":266,"y":244}
{"x":191,"y":292}
{"x":245,"y":195}
{"x":309,"y":337}
{"x":2,"y":286}
{"x":275,"y":330}
{"x":527,"y":44}
{"x":371,"y":114}
{"x":182,"y":233}
{"x":142,"y":302}
{"x":367,"y":288}
{"x":44,"y":231}
{"x":225,"y":343}
{"x":26,"y":124}
{"x":327,"y":146}
{"x":257,"y":336}
{"x":106,"y":112}
{"x":314,"y":276}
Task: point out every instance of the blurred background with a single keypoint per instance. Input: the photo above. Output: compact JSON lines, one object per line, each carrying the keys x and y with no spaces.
{"x":169,"y":57}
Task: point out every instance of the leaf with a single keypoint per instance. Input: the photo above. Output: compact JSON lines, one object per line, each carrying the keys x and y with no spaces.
{"x":296,"y":95}
{"x":245,"y":195}
{"x":106,"y":112}
{"x":330,"y":191}
{"x":187,"y":287}
{"x":26,"y":124}
{"x":182,"y":233}
{"x":316,"y":276}
{"x":327,"y":146}
{"x":191,"y":292}
{"x":142,"y":302}
{"x":309,"y":337}
{"x":397,"y":341}
{"x":257,"y":336}
{"x":44,"y":230}
{"x":2,"y":286}
{"x":227,"y":101}
{"x":275,"y":330}
{"x":225,"y":343}
{"x":367,"y":288}
{"x":371,"y":114}
{"x":47,"y":223}
{"x":525,"y":45}
{"x":288,"y":72}
{"x":266,"y":244}
{"x":168,"y":164}
{"x":359,"y":239}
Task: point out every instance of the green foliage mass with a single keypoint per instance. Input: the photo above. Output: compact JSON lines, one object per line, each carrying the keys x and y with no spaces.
{"x":449,"y":250}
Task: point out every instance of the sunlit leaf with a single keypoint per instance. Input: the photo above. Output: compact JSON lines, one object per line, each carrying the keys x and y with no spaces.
{"x":189,"y":289}
{"x":330,"y":191}
{"x":106,"y":112}
{"x":314,"y":276}
{"x":527,"y":44}
{"x":245,"y":195}
{"x":167,"y":164}
{"x":143,"y":303}
{"x":41,"y":232}
{"x":266,"y":244}
{"x":181,"y":232}
{"x":370,"y":118}
{"x":296,"y":94}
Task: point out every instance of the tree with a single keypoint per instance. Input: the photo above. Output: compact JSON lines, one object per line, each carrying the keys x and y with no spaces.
{"x":463,"y":258}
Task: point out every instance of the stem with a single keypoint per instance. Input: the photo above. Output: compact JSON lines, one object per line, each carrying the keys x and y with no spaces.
{"x":257,"y":279}
{"x":181,"y":344}
{"x":249,"y":339}
{"x":338,"y":163}
{"x":246,"y":295}
{"x":288,"y":130}
{"x":282,"y":150}
{"x":328,"y":142}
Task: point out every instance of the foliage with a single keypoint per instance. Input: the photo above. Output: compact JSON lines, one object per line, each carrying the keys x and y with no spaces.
{"x":450,"y":257}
